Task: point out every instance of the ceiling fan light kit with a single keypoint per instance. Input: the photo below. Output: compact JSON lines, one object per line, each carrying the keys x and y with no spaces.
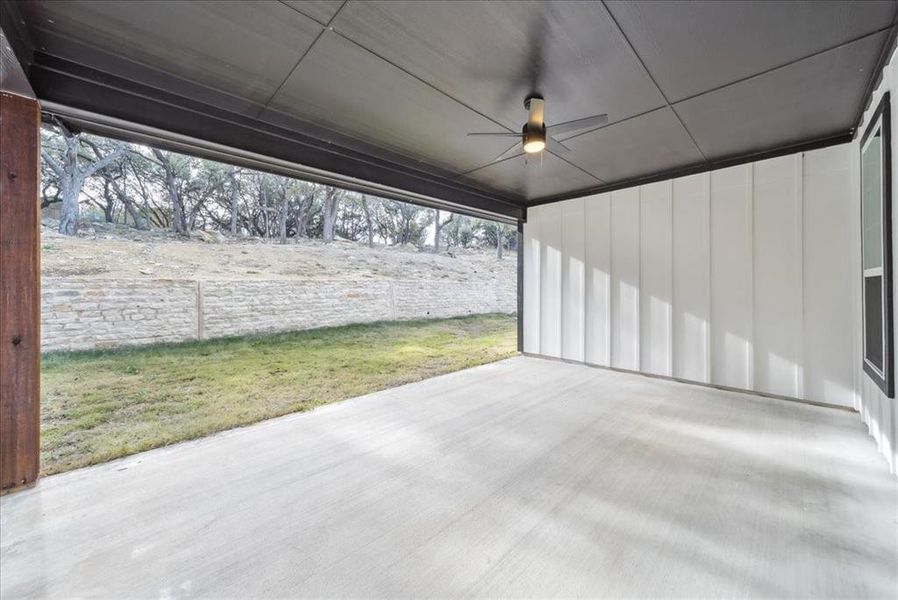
{"x":534,"y":141}
{"x":535,"y":136}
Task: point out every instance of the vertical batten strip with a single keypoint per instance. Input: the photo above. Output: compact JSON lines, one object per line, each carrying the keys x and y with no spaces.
{"x":800,"y":368}
{"x":670,"y":271}
{"x":709,"y":374}
{"x":750,"y":215}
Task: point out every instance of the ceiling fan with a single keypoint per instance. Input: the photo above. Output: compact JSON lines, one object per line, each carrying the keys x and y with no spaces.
{"x":536,"y":136}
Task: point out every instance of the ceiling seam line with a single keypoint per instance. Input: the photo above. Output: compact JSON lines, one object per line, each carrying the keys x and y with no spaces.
{"x":293,"y":8}
{"x":658,"y":87}
{"x":576,"y":166}
{"x":423,"y":81}
{"x":489,"y":164}
{"x":689,"y":133}
{"x":303,"y":56}
{"x":783,"y":66}
{"x":607,"y":125}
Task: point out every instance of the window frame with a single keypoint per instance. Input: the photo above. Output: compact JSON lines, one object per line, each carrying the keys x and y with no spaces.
{"x":880,"y":121}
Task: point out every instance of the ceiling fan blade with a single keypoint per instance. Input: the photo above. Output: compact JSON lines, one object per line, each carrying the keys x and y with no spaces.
{"x":556,"y":147}
{"x":516,"y":145}
{"x":577,"y":124}
{"x":497,"y":134}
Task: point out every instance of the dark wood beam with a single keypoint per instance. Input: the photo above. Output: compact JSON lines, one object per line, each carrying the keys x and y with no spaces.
{"x":19,"y":291}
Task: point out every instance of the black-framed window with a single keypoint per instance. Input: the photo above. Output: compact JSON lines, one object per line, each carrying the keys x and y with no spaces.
{"x":876,"y":247}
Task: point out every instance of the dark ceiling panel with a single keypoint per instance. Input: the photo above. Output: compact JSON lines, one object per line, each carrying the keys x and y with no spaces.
{"x":536,"y":178}
{"x":483,"y":53}
{"x":346,"y":88}
{"x":243,"y":48}
{"x":320,"y":10}
{"x":692,"y":47}
{"x":640,"y":146}
{"x":810,"y":99}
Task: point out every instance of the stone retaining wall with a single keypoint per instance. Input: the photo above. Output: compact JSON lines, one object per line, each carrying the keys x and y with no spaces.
{"x":101,"y":313}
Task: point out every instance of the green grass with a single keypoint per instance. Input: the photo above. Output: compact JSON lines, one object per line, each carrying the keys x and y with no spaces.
{"x":100,"y":405}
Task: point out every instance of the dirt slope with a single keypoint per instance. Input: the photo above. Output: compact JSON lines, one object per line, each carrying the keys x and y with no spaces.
{"x":117,"y":252}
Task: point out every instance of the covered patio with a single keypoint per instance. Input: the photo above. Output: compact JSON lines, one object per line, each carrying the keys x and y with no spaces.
{"x":525,"y":477}
{"x":703,"y":404}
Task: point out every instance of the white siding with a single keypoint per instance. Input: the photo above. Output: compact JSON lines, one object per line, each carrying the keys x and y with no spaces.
{"x":691,"y":265}
{"x":625,"y":284}
{"x":731,"y":277}
{"x":531,"y":312}
{"x":777,"y":276}
{"x":573,"y":278}
{"x":655,"y":278}
{"x":550,"y":260}
{"x":598,"y":279}
{"x":828,"y":306}
{"x":741,"y":277}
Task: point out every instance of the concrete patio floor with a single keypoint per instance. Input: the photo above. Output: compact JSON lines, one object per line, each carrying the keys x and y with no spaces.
{"x":526,"y":477}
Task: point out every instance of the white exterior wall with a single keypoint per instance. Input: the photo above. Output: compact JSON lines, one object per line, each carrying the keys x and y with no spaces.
{"x":744,"y":277}
{"x":879,"y":412}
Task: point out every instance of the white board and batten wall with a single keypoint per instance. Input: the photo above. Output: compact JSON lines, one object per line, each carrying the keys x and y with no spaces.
{"x":744,"y":277}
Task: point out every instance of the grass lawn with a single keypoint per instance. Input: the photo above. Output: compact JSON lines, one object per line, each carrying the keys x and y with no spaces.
{"x":100,"y":405}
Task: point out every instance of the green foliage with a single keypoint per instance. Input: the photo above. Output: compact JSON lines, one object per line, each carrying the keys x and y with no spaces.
{"x":101,"y":405}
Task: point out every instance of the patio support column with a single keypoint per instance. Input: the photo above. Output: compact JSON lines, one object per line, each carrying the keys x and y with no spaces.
{"x":19,"y":290}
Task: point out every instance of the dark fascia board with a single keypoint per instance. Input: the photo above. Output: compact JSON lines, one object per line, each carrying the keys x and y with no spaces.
{"x":66,"y":83}
{"x":876,"y":75}
{"x":712,"y":165}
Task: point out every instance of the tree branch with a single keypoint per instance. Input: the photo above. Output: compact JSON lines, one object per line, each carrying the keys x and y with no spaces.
{"x":105,"y":161}
{"x":53,"y":163}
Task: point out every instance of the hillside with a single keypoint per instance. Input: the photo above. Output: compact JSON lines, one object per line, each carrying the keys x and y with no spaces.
{"x":116,"y":252}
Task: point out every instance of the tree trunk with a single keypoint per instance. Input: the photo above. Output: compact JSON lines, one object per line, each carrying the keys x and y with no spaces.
{"x":263,"y":201}
{"x":282,"y":220}
{"x":233,"y":204}
{"x":500,"y":231}
{"x":368,"y":222}
{"x":178,"y":224}
{"x":301,"y":218}
{"x":130,"y":208}
{"x":438,"y":230}
{"x":68,"y":222}
{"x":331,"y":202}
{"x":71,"y":185}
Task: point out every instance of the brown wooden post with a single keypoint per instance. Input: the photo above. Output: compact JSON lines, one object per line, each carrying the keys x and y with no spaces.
{"x":19,"y":290}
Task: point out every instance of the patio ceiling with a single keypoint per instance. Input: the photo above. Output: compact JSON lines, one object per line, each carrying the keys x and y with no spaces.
{"x":386,"y":91}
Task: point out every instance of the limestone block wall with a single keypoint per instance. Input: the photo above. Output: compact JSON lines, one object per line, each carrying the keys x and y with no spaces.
{"x":85,"y":313}
{"x":91,"y":313}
